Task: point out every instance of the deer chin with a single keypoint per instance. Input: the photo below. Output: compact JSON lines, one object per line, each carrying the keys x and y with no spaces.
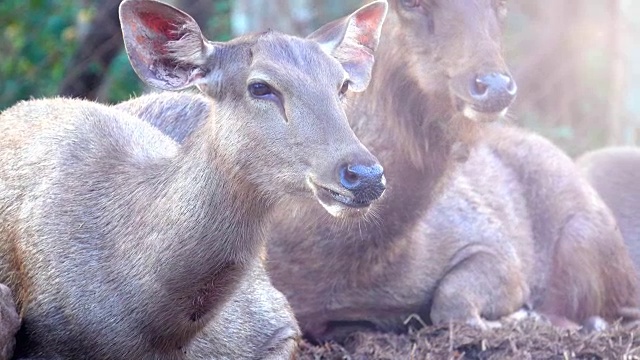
{"x":482,"y":117}
{"x":338,"y":204}
{"x":475,"y":113}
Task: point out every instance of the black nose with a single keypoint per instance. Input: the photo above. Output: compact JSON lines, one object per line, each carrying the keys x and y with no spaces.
{"x":493,"y":92}
{"x":366,"y":183}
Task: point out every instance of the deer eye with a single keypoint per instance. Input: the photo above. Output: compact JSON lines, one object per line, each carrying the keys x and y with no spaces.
{"x":344,"y":88}
{"x":410,"y":3}
{"x":260,"y":89}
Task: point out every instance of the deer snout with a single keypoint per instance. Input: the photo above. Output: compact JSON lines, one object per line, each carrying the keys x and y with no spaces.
{"x":366,"y":183}
{"x":484,"y":96}
{"x":492,"y":92}
{"x":350,"y":188}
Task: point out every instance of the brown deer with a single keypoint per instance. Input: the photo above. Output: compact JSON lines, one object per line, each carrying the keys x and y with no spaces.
{"x":615,"y":174}
{"x":514,"y":225}
{"x":479,"y":219}
{"x":120,"y":244}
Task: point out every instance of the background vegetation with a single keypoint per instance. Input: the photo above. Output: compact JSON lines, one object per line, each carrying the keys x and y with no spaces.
{"x":576,"y":62}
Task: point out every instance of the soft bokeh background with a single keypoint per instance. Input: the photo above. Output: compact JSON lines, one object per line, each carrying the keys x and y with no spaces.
{"x":577,"y":63}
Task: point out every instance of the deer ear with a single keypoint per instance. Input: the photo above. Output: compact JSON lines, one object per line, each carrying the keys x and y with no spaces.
{"x":353,"y":40}
{"x":165,"y":45}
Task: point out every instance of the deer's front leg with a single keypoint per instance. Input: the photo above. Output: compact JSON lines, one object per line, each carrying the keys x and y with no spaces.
{"x":480,"y":287}
{"x":9,"y":322}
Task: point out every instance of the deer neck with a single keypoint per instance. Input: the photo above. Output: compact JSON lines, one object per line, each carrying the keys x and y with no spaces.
{"x":205,"y":224}
{"x":403,"y":126}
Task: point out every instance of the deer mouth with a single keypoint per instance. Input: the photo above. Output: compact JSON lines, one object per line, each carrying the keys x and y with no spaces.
{"x":339,"y":203}
{"x":483,"y":97}
{"x":472,"y":112}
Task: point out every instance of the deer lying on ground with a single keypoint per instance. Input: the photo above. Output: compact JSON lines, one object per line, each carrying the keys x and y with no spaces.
{"x":513,"y":226}
{"x":615,"y":174}
{"x":120,"y":244}
{"x":479,"y":219}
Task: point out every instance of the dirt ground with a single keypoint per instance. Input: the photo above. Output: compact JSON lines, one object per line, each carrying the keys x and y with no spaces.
{"x":524,"y":340}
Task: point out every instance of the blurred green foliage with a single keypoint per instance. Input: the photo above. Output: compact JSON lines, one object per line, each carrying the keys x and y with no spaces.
{"x":37,"y":37}
{"x":122,"y":81}
{"x":219,"y":25}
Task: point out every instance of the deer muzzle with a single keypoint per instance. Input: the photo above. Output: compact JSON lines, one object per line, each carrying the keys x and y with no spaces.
{"x":358,"y":188}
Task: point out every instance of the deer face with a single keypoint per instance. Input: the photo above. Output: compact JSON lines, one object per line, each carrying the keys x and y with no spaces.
{"x":281,"y":98}
{"x":302,"y":127}
{"x":455,"y":45}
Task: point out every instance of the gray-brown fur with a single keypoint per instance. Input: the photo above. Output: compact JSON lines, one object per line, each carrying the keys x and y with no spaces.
{"x":118,"y":243}
{"x":257,"y":323}
{"x":512,"y":226}
{"x":267,"y":327}
{"x":615,"y":173}
{"x":582,"y":266}
{"x":177,"y":113}
{"x":9,"y":322}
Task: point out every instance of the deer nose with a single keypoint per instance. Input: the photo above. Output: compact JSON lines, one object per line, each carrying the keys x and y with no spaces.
{"x":493,"y":92}
{"x":366,"y":183}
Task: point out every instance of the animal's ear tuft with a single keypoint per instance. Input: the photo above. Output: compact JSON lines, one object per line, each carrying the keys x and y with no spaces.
{"x":165,"y":45}
{"x":353,"y":40}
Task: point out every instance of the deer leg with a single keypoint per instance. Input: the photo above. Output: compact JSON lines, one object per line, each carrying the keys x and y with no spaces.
{"x":9,"y":322}
{"x":266,"y":330}
{"x":480,"y":288}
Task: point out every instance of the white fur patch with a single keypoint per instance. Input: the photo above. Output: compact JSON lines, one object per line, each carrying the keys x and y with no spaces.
{"x":480,"y":117}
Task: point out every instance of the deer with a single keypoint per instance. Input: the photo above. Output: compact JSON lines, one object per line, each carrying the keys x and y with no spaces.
{"x":481,"y":222}
{"x":119,"y":243}
{"x":614,"y":173}
{"x":480,"y":219}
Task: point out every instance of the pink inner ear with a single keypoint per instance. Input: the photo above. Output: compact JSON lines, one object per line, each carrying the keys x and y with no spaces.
{"x":160,"y":26}
{"x":364,"y":38}
{"x":367,"y":24}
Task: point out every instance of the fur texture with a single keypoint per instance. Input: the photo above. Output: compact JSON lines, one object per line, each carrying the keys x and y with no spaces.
{"x":479,"y":220}
{"x":513,"y":226}
{"x":118,"y":243}
{"x":615,"y":173}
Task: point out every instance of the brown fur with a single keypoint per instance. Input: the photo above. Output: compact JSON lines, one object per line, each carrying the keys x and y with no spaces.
{"x":9,"y":323}
{"x":590,"y":271}
{"x":267,"y":324}
{"x":478,"y":221}
{"x":123,"y":245}
{"x":615,"y":173}
{"x":514,"y":225}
